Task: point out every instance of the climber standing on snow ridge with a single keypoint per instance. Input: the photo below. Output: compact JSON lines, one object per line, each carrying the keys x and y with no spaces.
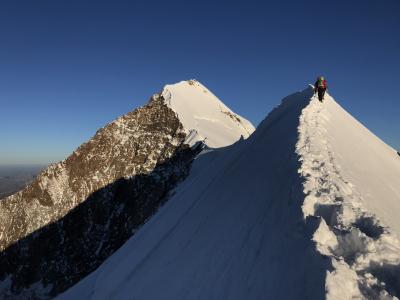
{"x":320,"y":87}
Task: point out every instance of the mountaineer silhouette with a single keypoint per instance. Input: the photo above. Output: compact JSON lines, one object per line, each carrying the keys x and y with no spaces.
{"x":320,"y":87}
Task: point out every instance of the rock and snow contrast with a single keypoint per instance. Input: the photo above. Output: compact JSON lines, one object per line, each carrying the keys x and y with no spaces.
{"x":81,"y":210}
{"x":306,"y":208}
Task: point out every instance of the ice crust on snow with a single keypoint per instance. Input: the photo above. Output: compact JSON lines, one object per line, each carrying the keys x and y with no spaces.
{"x":204,"y":116}
{"x":304,"y":209}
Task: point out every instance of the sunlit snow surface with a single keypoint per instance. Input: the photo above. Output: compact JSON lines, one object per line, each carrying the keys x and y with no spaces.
{"x":207,"y":117}
{"x":304,"y":209}
{"x":353,"y":184}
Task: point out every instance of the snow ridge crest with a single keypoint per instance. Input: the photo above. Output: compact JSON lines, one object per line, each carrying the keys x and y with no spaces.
{"x":364,"y":253}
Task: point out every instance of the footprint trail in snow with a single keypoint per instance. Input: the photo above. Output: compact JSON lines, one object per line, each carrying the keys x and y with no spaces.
{"x":365,"y":254}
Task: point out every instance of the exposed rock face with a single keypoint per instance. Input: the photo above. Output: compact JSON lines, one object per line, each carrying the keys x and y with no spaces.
{"x":79,"y":211}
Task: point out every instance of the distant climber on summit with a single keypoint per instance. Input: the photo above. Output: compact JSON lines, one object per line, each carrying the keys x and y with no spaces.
{"x":320,"y":87}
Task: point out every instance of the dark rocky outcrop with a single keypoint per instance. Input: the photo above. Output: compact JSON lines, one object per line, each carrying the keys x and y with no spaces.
{"x":81,"y":210}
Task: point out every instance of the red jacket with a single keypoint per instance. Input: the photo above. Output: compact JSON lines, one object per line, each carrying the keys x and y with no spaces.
{"x":324,"y":83}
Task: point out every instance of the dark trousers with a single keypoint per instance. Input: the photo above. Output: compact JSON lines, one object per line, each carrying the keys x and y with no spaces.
{"x":321,"y":94}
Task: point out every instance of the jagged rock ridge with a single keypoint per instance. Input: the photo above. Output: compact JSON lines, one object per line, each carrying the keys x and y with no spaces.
{"x":79,"y":211}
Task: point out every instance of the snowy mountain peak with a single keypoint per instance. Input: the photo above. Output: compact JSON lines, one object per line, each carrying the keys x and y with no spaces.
{"x":204,"y":116}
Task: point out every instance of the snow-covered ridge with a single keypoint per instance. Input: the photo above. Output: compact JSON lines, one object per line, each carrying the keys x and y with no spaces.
{"x":234,"y":229}
{"x":352,"y":184}
{"x":204,"y":116}
{"x":306,"y":208}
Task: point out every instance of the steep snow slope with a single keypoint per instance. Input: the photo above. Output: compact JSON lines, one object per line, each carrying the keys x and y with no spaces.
{"x":353,"y":183}
{"x":233,"y":230}
{"x":205,"y":117}
{"x":304,"y":209}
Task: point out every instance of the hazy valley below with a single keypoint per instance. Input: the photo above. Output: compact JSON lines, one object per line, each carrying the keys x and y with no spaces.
{"x":15,"y":177}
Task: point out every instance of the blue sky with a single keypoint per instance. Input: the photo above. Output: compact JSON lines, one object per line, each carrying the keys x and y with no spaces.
{"x":69,"y":67}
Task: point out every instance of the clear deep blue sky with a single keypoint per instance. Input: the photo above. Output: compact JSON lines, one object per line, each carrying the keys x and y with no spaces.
{"x":69,"y":67}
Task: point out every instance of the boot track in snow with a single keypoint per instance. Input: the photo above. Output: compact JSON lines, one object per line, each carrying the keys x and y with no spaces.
{"x":365,"y":255}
